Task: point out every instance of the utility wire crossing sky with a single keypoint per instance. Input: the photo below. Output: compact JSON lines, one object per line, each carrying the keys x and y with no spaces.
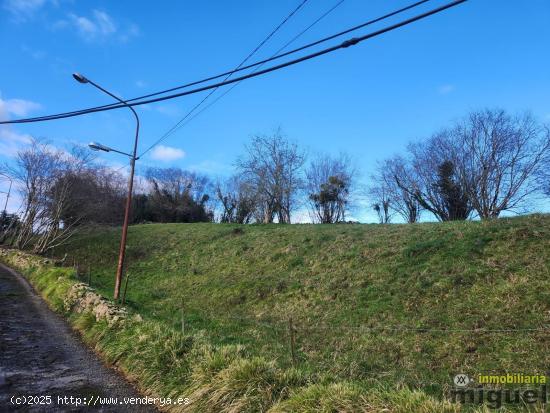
{"x":343,"y":45}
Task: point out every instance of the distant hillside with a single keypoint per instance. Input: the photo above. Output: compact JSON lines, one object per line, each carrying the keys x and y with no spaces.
{"x":392,"y":304}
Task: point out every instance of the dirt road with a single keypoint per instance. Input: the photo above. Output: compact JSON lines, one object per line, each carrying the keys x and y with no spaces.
{"x":41,"y":356}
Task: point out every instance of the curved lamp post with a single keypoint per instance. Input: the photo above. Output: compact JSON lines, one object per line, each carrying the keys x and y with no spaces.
{"x":133,"y":158}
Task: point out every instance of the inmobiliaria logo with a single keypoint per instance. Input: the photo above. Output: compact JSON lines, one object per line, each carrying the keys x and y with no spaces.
{"x":494,"y":390}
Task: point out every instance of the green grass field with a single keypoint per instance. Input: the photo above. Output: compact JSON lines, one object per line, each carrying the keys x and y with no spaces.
{"x":392,"y":306}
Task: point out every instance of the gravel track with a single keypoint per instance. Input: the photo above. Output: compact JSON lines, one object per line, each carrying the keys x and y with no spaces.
{"x":41,"y":355}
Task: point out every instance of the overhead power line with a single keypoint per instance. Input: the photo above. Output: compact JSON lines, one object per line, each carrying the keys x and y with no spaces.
{"x":258,"y":47}
{"x":345,"y":44}
{"x":181,"y":123}
{"x":261,"y":62}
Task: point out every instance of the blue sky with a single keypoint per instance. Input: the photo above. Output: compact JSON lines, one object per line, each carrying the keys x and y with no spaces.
{"x":368,"y":100}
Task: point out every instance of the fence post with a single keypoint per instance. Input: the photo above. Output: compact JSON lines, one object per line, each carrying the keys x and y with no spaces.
{"x":292,"y":335}
{"x":125,"y":288}
{"x":182,"y":318}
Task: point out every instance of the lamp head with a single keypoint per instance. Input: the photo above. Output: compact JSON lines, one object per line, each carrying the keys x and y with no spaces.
{"x":94,"y":146}
{"x":80,"y":78}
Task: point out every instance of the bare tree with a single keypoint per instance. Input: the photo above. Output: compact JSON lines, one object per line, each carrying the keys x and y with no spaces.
{"x":32,"y":172}
{"x":96,"y":196}
{"x":53,"y":230}
{"x":179,"y":196}
{"x":436,"y":185}
{"x":330,"y":186}
{"x":237,"y":199}
{"x":543,"y":174}
{"x":9,"y":224}
{"x":391,"y":176}
{"x":272,"y":166}
{"x":39,"y":173}
{"x":179,"y":182}
{"x":500,"y":157}
{"x":489,"y":162}
{"x":382,"y":203}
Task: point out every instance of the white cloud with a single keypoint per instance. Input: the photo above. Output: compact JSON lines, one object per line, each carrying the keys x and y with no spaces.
{"x":104,"y":22}
{"x":23,"y":9}
{"x":17,"y":107}
{"x":446,"y":89}
{"x":10,"y":140}
{"x":98,"y":26}
{"x":166,"y":153}
{"x":140,"y":83}
{"x":84,"y":25}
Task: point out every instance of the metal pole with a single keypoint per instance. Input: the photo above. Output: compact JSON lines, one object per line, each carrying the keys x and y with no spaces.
{"x":7,"y":193}
{"x":133,"y":158}
{"x":122,"y":250}
{"x":8,"y":197}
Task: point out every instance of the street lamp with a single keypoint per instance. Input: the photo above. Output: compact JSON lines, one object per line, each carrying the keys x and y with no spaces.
{"x":133,"y":158}
{"x":7,"y":193}
{"x":95,"y":146}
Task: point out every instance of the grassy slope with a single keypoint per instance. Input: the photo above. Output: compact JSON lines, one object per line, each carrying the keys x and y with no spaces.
{"x":341,"y":284}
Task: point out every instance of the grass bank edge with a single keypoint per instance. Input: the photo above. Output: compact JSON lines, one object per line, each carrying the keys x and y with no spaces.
{"x":168,"y":364}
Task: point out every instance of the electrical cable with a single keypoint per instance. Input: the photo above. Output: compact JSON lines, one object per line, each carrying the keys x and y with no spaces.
{"x":345,"y":44}
{"x":117,"y":106}
{"x":179,"y":125}
{"x":258,"y":47}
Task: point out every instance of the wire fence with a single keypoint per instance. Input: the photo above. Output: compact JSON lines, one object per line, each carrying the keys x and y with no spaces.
{"x":397,"y":328}
{"x":84,"y":273}
{"x":296,"y":340}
